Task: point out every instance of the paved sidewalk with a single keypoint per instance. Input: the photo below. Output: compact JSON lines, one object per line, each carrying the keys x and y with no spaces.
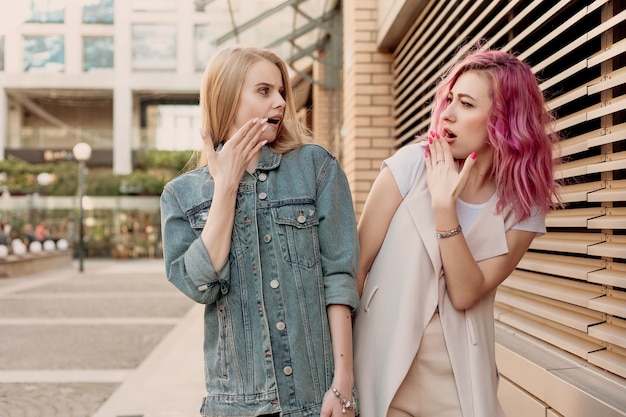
{"x":170,"y":382}
{"x":115,"y":341}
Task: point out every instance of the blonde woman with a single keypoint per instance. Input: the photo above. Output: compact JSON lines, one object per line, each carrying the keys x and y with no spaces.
{"x":263,"y":233}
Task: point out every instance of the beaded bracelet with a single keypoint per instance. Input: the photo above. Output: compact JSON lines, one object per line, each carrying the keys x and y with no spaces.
{"x":444,"y":234}
{"x":345,"y":404}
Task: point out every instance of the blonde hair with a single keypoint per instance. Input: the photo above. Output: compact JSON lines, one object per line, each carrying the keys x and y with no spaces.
{"x":219,"y":97}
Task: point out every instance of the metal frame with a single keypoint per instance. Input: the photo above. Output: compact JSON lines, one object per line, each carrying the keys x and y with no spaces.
{"x":330,"y":40}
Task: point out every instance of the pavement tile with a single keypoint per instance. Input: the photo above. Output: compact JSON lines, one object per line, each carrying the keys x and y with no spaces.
{"x":78,"y":347}
{"x":93,"y":305}
{"x":52,"y":400}
{"x":116,"y":340}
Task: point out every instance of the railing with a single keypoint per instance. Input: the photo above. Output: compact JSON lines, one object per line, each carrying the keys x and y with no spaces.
{"x":58,"y":138}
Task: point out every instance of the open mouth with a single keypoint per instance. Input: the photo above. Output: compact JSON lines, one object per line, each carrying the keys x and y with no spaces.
{"x":449,"y":134}
{"x":273,"y":120}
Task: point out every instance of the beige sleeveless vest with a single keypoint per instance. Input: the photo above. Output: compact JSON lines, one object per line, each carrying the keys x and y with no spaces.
{"x":404,"y":287}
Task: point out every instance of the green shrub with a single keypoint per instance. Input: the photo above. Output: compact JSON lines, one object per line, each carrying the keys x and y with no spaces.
{"x":21,"y":177}
{"x":144,"y":183}
{"x":102,"y":183}
{"x":155,"y":169}
{"x":172,"y":160}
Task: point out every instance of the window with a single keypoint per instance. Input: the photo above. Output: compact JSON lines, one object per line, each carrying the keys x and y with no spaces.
{"x":97,"y":53}
{"x":46,"y":11}
{"x":46,"y":53}
{"x":205,"y":46}
{"x":98,"y":11}
{"x":154,"y":47}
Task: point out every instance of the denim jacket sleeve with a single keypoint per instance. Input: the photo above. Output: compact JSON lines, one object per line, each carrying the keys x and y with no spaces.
{"x":339,"y":243}
{"x":187,"y":262}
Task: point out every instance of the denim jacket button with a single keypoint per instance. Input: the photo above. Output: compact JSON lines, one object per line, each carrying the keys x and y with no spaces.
{"x":274,"y":283}
{"x":262,"y":196}
{"x":262,"y":176}
{"x":280,"y":326}
{"x":267,"y":238}
{"x":287,"y":370}
{"x":301,"y":219}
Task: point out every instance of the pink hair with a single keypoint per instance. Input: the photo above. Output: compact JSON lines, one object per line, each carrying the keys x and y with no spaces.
{"x":519,"y":127}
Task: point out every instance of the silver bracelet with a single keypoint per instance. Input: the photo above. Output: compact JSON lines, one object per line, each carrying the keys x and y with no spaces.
{"x":444,"y":234}
{"x":345,"y":404}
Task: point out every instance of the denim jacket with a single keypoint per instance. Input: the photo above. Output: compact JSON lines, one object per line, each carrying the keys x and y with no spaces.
{"x":294,"y":251}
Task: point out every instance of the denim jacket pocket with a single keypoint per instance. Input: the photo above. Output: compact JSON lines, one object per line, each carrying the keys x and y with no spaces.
{"x":297,"y":227}
{"x":197,"y":216}
{"x":223,"y":359}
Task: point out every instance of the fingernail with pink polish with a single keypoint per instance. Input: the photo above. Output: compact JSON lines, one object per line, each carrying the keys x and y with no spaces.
{"x":473,"y":155}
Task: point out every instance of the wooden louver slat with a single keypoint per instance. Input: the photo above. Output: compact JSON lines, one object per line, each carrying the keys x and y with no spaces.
{"x":574,"y":277}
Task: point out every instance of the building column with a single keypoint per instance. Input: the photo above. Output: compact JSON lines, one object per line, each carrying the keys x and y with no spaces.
{"x":122,"y":130}
{"x":4,"y":111}
{"x":122,"y":93}
{"x":367,"y":99}
{"x":73,"y":22}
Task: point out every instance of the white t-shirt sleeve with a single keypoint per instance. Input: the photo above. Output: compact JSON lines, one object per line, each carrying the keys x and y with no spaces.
{"x":535,"y":223}
{"x":406,"y":165}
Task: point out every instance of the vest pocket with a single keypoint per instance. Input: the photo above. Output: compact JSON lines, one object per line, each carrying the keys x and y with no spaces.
{"x":370,"y":297}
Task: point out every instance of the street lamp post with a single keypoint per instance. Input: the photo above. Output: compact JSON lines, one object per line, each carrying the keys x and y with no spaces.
{"x":81,"y":152}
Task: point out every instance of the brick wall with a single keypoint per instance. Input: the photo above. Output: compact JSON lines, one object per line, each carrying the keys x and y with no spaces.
{"x":367,"y":98}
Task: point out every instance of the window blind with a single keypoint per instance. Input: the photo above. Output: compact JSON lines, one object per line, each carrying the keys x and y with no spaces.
{"x":569,"y":290}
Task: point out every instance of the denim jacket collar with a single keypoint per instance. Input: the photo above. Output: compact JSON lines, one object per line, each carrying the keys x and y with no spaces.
{"x":269,"y":160}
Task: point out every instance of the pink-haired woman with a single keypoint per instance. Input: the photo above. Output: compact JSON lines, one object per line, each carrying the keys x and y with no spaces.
{"x":444,"y":224}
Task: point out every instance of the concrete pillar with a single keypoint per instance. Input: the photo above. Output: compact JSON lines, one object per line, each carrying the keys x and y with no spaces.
{"x":122,"y":94}
{"x":4,"y":111}
{"x":122,"y":130}
{"x":73,"y":41}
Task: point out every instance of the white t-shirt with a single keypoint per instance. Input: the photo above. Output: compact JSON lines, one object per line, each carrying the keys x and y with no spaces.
{"x":407,"y":164}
